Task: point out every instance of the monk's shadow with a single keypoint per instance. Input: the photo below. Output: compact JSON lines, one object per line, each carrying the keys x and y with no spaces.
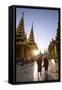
{"x":48,"y":77}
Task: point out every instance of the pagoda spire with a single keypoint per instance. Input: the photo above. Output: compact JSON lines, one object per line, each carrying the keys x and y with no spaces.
{"x":31,"y":36}
{"x":21,"y":24}
{"x":31,"y":40}
{"x":22,"y":14}
{"x":20,"y":33}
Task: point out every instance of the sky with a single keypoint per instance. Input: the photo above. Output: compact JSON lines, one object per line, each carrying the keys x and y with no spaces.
{"x":45,"y":23}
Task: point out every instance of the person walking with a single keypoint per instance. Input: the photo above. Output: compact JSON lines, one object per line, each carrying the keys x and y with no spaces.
{"x":46,"y":63}
{"x":39,"y":64}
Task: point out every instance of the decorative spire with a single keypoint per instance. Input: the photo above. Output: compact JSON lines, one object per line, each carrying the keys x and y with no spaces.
{"x":20,"y":30}
{"x":22,"y":14}
{"x":32,"y":27}
{"x":31,"y":40}
{"x":31,"y":36}
{"x":21,"y":24}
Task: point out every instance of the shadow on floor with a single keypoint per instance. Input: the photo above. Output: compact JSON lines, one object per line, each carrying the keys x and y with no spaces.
{"x":48,"y":77}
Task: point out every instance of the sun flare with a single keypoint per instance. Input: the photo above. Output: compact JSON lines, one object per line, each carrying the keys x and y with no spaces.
{"x":36,"y":52}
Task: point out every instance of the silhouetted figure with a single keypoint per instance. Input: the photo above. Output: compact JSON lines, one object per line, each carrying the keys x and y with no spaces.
{"x":46,"y":63}
{"x":39,"y":64}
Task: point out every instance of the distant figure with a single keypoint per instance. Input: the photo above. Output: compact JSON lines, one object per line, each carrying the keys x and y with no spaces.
{"x":39,"y":64}
{"x":46,"y":63}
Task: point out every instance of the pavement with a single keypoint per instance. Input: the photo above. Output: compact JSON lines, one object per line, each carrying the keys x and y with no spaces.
{"x":29,"y":72}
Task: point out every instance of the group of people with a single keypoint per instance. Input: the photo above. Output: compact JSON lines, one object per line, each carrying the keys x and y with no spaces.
{"x":45,"y":62}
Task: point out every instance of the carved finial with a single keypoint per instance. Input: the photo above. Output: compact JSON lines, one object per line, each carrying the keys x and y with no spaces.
{"x":22,"y":14}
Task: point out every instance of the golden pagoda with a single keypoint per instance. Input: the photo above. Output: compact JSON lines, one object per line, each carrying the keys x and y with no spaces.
{"x":31,"y":42}
{"x":54,"y":45}
{"x":24,"y":46}
{"x":21,"y":40}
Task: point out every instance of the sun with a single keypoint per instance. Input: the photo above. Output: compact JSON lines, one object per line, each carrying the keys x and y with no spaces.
{"x":36,"y":52}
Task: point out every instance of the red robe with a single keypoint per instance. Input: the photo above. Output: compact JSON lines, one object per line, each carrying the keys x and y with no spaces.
{"x":39,"y":63}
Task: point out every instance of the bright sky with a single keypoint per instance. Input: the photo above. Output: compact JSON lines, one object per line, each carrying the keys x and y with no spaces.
{"x":45,"y":24}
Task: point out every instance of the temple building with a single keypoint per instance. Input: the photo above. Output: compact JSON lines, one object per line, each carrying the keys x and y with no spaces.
{"x":54,"y":45}
{"x":24,"y":46}
{"x":53,"y":52}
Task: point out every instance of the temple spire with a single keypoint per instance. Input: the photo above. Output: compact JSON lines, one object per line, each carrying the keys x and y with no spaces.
{"x":21,"y":24}
{"x":31,"y":36}
{"x":22,"y":14}
{"x":20,"y":30}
